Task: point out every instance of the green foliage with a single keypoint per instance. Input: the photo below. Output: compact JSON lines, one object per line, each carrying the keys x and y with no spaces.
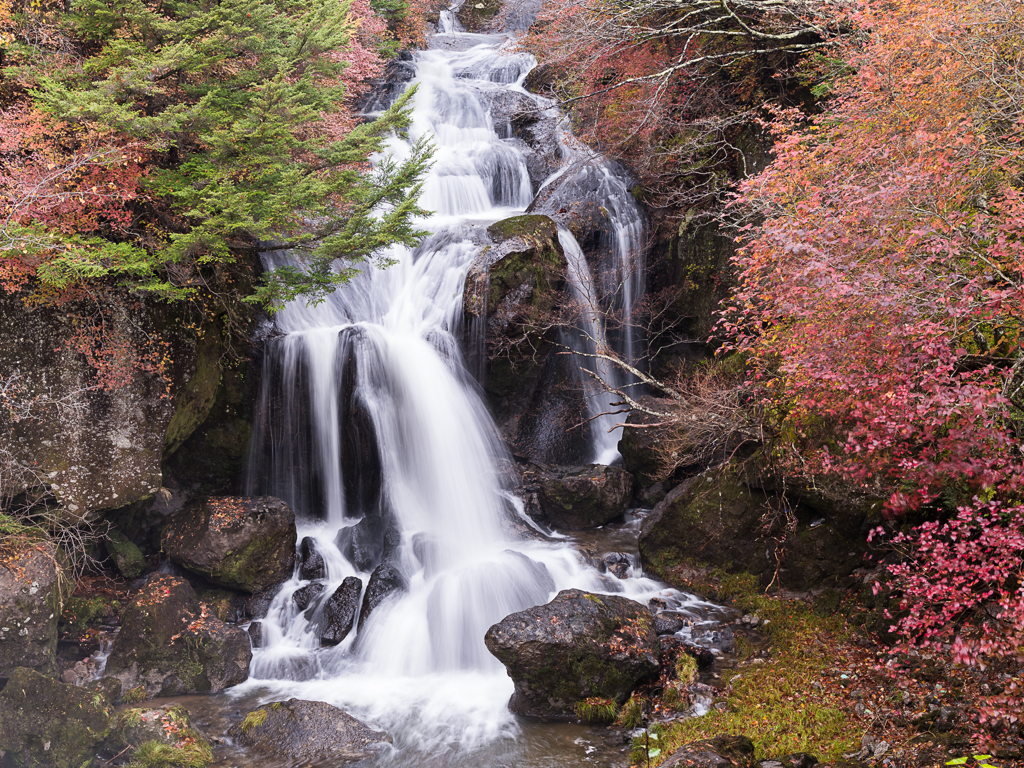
{"x":596,"y":711}
{"x":254,"y":719}
{"x":686,"y":668}
{"x":134,"y":695}
{"x":190,"y":753}
{"x":631,"y":715}
{"x":236,"y":114}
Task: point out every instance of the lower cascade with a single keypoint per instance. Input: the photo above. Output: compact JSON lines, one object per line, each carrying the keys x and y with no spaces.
{"x":372,"y":428}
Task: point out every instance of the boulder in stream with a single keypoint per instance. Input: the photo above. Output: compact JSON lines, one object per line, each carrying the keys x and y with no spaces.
{"x":311,"y":562}
{"x":339,"y":611}
{"x":384,"y":581}
{"x":47,"y":723}
{"x":171,"y":645}
{"x":237,"y":542}
{"x":29,"y":606}
{"x":307,"y":732}
{"x":577,"y":646}
{"x":583,"y":497}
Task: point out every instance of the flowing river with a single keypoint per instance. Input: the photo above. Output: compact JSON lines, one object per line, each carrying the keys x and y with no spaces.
{"x":373,"y":428}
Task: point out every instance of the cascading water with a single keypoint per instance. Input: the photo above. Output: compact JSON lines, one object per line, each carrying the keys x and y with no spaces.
{"x":371,"y":427}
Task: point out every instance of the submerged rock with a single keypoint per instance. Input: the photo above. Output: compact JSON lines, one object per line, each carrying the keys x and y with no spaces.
{"x":577,"y":646}
{"x":303,"y":596}
{"x":305,"y":732}
{"x":29,"y":606}
{"x":48,"y":724}
{"x":339,"y":611}
{"x":237,"y":542}
{"x":583,"y":497}
{"x":170,"y":645}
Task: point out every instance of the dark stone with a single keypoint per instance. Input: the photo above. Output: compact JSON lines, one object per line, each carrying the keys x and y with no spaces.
{"x":364,"y":543}
{"x":577,"y":646}
{"x":167,"y":647}
{"x":126,"y":555}
{"x":666,"y":623}
{"x":583,"y":497}
{"x":238,"y":542}
{"x":312,"y":565}
{"x":799,"y":760}
{"x":641,"y":449}
{"x":48,"y":724}
{"x":256,"y":607}
{"x":30,"y":602}
{"x":617,"y":564}
{"x":339,"y":611}
{"x":384,"y":581}
{"x":307,"y":732}
{"x":255,"y":632}
{"x":718,"y":519}
{"x":303,"y":596}
{"x":362,"y":472}
{"x":720,"y":752}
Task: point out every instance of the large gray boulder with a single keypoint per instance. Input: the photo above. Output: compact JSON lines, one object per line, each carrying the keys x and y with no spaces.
{"x":170,"y":644}
{"x":45,"y":723}
{"x":29,"y":606}
{"x":307,"y":732}
{"x":237,"y":542}
{"x":577,"y":646}
{"x":587,"y":496}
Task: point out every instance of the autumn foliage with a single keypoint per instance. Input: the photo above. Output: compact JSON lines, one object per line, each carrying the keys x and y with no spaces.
{"x":881,"y":297}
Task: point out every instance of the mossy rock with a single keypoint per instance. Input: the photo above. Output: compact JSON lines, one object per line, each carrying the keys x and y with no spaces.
{"x":159,"y":738}
{"x":236,"y":542}
{"x":170,"y":644}
{"x":727,"y":519}
{"x":583,"y":497}
{"x":50,"y":724}
{"x":477,"y":15}
{"x":80,"y":613}
{"x":127,"y":557}
{"x":576,"y":647}
{"x":30,"y":604}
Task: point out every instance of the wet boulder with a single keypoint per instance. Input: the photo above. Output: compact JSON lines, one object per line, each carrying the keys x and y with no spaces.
{"x":307,"y":732}
{"x":45,"y":723}
{"x":577,"y":646}
{"x":723,"y":751}
{"x":367,"y":543}
{"x":170,"y":644}
{"x":312,"y":566}
{"x":303,"y":596}
{"x":339,"y":612}
{"x":237,"y":542}
{"x":384,"y":582}
{"x":255,"y":632}
{"x":583,"y":497}
{"x":256,"y":607}
{"x":29,"y":607}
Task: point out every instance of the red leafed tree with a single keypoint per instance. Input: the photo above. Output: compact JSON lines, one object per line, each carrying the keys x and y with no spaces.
{"x":668,"y":86}
{"x":881,"y":297}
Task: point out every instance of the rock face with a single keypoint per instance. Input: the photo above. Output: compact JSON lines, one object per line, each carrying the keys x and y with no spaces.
{"x":719,"y":752}
{"x":29,"y":607}
{"x":307,"y":732}
{"x":577,"y":646}
{"x":48,"y":724}
{"x":169,"y":645}
{"x":242,"y":543}
{"x":718,"y":519}
{"x":583,"y":497}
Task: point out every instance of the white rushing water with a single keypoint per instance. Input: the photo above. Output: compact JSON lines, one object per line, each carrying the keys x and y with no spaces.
{"x":372,"y":425}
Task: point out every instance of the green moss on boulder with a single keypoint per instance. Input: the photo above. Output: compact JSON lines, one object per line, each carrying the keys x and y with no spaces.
{"x":49,"y":724}
{"x":170,"y":644}
{"x":127,"y":557}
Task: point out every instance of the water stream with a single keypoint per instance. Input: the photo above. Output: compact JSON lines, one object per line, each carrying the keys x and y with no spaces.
{"x":372,"y":428}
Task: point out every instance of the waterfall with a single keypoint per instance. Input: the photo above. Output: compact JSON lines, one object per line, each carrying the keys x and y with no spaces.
{"x":370,"y":425}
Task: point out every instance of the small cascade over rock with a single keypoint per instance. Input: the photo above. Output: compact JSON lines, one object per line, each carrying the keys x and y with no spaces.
{"x":371,"y":426}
